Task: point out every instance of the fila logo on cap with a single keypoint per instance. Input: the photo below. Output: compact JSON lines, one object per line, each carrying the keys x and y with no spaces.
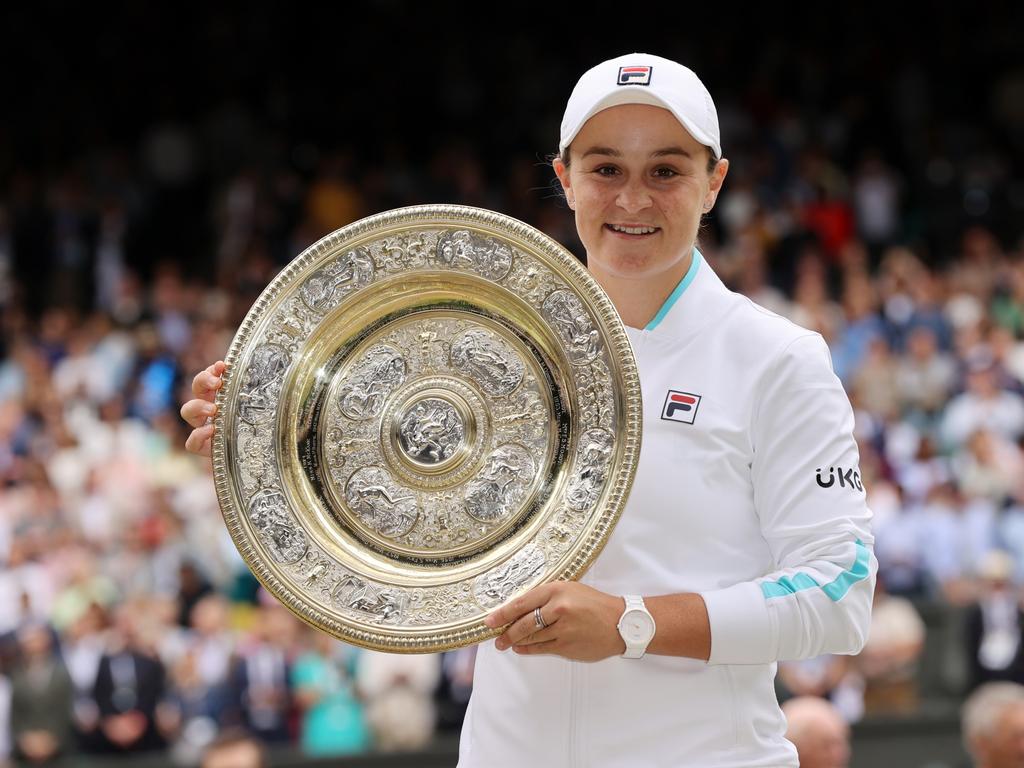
{"x":635,"y":75}
{"x":680,"y":406}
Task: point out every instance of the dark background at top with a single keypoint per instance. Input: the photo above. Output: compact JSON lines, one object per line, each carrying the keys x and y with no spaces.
{"x":390,"y":83}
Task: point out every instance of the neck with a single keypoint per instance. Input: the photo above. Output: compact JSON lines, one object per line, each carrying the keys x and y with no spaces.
{"x":638,"y":299}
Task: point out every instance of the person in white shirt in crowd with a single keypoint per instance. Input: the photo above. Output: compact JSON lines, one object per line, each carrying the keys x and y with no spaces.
{"x":992,"y":725}
{"x":983,"y":405}
{"x":994,"y":624}
{"x":746,"y":538}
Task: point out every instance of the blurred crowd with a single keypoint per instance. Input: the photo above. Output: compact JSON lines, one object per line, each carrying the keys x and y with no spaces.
{"x":128,"y":621}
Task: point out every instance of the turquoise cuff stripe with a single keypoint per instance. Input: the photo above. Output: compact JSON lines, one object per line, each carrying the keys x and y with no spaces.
{"x":674,"y":296}
{"x":835,"y":589}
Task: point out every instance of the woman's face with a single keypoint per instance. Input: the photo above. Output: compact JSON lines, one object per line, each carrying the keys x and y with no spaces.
{"x":635,"y":166}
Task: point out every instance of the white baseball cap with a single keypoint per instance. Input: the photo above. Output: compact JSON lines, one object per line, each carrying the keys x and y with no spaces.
{"x":640,"y":78}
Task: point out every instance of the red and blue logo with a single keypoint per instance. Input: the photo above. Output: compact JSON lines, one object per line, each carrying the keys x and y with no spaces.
{"x":635,"y":75}
{"x":680,"y":406}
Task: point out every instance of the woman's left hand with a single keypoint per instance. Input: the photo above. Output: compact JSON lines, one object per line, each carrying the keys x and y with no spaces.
{"x":581,"y":622}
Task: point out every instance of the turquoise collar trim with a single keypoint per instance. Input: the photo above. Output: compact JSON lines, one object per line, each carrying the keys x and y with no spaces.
{"x":674,"y":296}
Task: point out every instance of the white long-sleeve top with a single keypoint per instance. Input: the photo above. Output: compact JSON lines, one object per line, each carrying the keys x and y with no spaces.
{"x":752,"y":498}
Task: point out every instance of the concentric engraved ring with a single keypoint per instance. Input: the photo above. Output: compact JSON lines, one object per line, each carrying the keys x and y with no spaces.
{"x":427,"y":412}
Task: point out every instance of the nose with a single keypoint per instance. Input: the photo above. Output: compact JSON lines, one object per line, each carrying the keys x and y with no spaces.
{"x":633,"y":195}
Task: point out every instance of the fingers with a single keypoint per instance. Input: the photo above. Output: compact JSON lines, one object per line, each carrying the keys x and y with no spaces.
{"x":206,"y":383}
{"x":551,"y":646}
{"x":199,"y":441}
{"x":520,"y":606}
{"x":523,"y":628}
{"x":533,"y":638}
{"x":196,"y":412}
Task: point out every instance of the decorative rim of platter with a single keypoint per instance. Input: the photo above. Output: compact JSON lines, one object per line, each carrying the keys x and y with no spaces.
{"x":425,"y":414}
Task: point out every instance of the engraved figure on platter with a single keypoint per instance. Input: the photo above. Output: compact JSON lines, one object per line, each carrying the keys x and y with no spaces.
{"x":488,"y":360}
{"x":325,"y":288}
{"x":371,"y":380}
{"x":573,"y":324}
{"x":382,"y":602}
{"x":262,"y":383}
{"x":498,"y":488}
{"x":462,"y":249}
{"x":431,"y":431}
{"x":592,"y":457}
{"x":269,"y":514}
{"x":380,"y":502}
{"x":499,"y":585}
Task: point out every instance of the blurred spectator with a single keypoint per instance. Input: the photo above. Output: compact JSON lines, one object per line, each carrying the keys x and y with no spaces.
{"x":819,"y":733}
{"x":983,"y":405}
{"x":192,"y":587}
{"x":863,"y":325}
{"x":333,"y":718}
{"x":888,"y":662}
{"x":992,"y":725}
{"x":129,"y":685}
{"x":260,"y":679}
{"x":941,"y":530}
{"x":925,"y":376}
{"x":85,"y":643}
{"x":994,"y":624}
{"x":990,"y":468}
{"x":875,"y":385}
{"x":876,"y":195}
{"x":455,"y":686}
{"x":41,"y":698}
{"x":235,"y":748}
{"x":397,"y":689}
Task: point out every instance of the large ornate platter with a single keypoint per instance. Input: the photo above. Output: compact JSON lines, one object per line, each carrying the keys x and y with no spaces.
{"x":426,"y":413}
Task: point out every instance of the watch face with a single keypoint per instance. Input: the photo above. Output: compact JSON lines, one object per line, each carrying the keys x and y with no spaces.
{"x":637,"y":627}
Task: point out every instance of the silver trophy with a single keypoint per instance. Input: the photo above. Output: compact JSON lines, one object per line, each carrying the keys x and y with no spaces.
{"x":425,"y":414}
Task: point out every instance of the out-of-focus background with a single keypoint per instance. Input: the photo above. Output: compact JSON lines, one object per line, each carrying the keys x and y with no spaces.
{"x":159,"y":165}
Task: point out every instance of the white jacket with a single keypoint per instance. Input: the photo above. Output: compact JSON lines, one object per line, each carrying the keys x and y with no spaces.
{"x":752,"y":498}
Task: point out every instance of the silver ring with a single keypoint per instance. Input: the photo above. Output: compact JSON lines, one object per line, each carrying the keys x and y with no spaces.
{"x":541,"y":624}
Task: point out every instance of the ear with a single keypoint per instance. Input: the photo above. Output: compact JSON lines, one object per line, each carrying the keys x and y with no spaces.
{"x":563,"y":177}
{"x":715,"y":184}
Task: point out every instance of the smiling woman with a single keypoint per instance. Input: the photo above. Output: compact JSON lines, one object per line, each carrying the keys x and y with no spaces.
{"x":729,"y":556}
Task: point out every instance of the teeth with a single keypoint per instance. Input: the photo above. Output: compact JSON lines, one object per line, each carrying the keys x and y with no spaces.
{"x":633,"y":230}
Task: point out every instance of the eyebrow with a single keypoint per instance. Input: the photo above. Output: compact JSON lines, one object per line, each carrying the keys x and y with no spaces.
{"x":665,"y":151}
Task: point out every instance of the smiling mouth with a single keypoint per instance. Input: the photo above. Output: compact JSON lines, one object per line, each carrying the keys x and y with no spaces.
{"x":628,"y":231}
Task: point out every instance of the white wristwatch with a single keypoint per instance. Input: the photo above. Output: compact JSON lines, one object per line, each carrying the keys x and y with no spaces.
{"x":636,"y":626}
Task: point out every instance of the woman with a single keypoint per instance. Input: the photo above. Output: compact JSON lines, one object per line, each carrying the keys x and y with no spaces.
{"x":746,"y":536}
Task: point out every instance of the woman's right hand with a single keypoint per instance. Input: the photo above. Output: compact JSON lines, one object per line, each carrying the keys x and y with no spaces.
{"x":199,"y":412}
